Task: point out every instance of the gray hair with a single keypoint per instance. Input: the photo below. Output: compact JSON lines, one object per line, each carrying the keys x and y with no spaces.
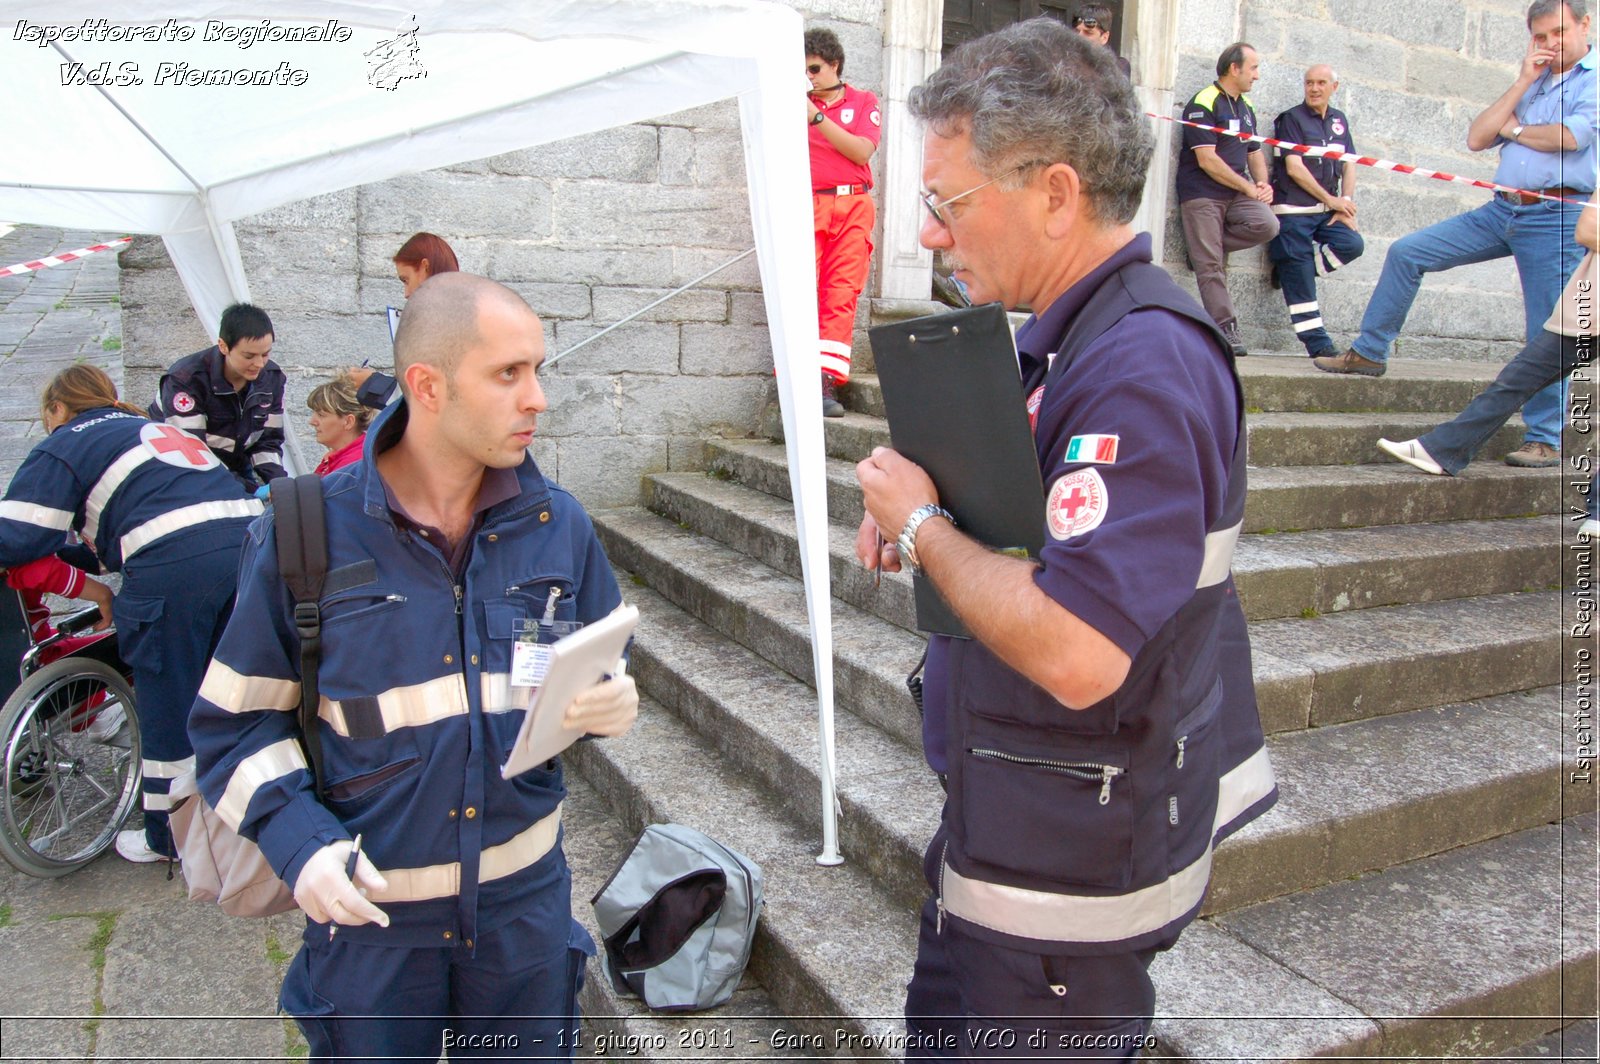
{"x":1037,"y":93}
{"x":1541,"y":8}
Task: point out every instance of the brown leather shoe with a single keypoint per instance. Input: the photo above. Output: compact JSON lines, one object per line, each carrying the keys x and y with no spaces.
{"x":1350,"y":362}
{"x":1533,"y":455}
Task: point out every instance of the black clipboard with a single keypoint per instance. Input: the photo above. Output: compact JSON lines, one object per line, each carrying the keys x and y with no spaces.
{"x":953,"y":396}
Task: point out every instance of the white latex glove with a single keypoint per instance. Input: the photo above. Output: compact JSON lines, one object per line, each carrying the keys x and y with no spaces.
{"x":326,"y":893}
{"x":607,"y":708}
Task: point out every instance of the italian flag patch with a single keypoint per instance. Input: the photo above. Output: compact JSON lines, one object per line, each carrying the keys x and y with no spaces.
{"x":1097,"y":449}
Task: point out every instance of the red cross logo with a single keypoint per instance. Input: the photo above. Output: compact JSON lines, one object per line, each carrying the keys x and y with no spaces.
{"x":1074,"y":502}
{"x":1077,"y":504}
{"x":177,"y":448}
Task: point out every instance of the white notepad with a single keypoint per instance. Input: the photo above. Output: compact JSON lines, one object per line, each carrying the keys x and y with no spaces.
{"x":577,"y":662}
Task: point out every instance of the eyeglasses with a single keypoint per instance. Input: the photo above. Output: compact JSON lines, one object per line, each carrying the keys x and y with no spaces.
{"x":937,"y":209}
{"x":814,"y":68}
{"x":1082,"y":20}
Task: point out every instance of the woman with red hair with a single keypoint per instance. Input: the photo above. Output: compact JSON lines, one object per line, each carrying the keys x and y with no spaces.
{"x":420,"y":258}
{"x":417,"y":260}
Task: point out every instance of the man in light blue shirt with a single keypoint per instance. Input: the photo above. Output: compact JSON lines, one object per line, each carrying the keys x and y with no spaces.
{"x":1544,"y":125}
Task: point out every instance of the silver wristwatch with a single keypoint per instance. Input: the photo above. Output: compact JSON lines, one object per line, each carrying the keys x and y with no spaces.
{"x":907,"y":543}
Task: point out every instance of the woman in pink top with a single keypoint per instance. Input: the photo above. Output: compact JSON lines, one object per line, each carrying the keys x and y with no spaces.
{"x":339,"y":421}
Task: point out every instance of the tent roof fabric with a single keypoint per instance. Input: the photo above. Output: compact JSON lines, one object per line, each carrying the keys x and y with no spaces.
{"x":158,"y":150}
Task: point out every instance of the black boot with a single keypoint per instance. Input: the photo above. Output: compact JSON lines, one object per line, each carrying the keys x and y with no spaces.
{"x":831,"y":407}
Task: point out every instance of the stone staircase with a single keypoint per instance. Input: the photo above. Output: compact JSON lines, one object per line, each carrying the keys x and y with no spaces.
{"x":1416,"y":892}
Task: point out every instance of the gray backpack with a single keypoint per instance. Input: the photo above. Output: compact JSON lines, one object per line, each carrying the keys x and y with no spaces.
{"x":677,"y":919}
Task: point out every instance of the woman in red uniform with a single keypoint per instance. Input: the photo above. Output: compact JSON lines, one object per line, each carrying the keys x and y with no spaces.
{"x":845,"y":127}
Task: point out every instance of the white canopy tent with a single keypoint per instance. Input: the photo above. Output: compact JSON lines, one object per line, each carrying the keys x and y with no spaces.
{"x":184,"y":160}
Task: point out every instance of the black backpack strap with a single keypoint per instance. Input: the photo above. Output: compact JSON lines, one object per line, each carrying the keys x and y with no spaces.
{"x":303,"y":561}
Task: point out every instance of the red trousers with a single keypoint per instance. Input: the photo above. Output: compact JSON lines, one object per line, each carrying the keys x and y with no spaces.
{"x":844,"y":251}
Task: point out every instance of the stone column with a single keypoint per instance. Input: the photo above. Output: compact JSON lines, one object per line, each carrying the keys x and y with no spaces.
{"x":912,"y":35}
{"x":1150,"y":41}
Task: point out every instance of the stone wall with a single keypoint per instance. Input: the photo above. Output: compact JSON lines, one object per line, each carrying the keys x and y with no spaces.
{"x":587,"y":230}
{"x":1412,"y":78}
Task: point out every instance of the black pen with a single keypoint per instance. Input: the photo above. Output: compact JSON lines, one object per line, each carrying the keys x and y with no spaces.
{"x":350,"y":874}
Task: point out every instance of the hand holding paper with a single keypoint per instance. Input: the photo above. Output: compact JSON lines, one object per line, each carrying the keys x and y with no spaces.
{"x":608,"y":708}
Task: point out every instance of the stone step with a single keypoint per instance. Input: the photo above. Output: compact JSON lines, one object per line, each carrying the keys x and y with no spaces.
{"x":1290,"y":574}
{"x":1275,"y":439}
{"x":1291,"y":383}
{"x":1352,"y":968}
{"x":1356,"y":796}
{"x":1309,"y":672}
{"x":1280,"y":499}
{"x":1411,"y":947}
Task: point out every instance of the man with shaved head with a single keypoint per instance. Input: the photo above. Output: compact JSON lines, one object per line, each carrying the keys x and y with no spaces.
{"x":1314,"y":199}
{"x":445,"y":545}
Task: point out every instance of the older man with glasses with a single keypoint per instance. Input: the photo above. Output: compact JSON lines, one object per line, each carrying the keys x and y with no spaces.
{"x":845,"y":125}
{"x":1099,"y":732}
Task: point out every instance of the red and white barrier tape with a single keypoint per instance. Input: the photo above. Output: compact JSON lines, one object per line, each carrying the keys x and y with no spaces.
{"x":1366,"y":160}
{"x":65,"y":256}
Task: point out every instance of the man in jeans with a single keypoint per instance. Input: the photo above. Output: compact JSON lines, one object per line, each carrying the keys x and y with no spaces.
{"x":1565,"y":342}
{"x":1223,"y":192}
{"x":1544,"y":125}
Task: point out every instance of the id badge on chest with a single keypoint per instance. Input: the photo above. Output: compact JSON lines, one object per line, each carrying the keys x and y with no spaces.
{"x":530,"y":654}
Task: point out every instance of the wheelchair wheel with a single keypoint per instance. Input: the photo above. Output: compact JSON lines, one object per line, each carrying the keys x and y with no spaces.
{"x":68,"y":784}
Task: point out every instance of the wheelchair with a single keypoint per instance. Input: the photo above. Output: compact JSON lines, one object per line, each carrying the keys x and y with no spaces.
{"x":71,"y":743}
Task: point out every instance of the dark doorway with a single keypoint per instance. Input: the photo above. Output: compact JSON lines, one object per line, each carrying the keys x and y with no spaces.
{"x":966,"y":19}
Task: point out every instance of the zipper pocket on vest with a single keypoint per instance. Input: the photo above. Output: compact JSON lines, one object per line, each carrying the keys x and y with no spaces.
{"x":1087,"y":771}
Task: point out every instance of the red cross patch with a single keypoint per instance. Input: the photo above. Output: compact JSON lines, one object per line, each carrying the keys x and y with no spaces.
{"x":1034,"y":402}
{"x":1337,"y":125}
{"x":182,"y":402}
{"x":1077,"y":504}
{"x":177,"y":448}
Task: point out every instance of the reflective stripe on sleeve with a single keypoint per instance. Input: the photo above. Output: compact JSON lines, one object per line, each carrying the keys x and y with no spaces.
{"x":274,"y":421}
{"x":219,"y":443}
{"x":237,"y":693}
{"x":408,"y":707}
{"x":185,"y":517}
{"x":266,"y":458}
{"x":1219,"y":556}
{"x":107,"y":486}
{"x":166,"y":770}
{"x":32,"y":513}
{"x":496,"y":862}
{"x":263,"y":766}
{"x":188,"y":422}
{"x":1049,"y":917}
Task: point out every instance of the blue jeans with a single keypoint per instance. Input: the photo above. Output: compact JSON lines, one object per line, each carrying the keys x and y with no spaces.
{"x":1539,"y":237}
{"x":1306,"y":245}
{"x":1548,"y":358}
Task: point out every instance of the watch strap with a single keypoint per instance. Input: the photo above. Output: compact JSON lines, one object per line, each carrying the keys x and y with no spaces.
{"x":907,"y":541}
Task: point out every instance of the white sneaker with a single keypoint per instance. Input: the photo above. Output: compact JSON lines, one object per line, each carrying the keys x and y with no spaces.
{"x":108,"y":726}
{"x":1412,"y":453}
{"x":132,"y":847}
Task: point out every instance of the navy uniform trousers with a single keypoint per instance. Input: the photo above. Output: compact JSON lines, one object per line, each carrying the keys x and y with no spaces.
{"x":966,"y":993}
{"x":175,"y":600}
{"x":1307,"y":246}
{"x":512,"y":995}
